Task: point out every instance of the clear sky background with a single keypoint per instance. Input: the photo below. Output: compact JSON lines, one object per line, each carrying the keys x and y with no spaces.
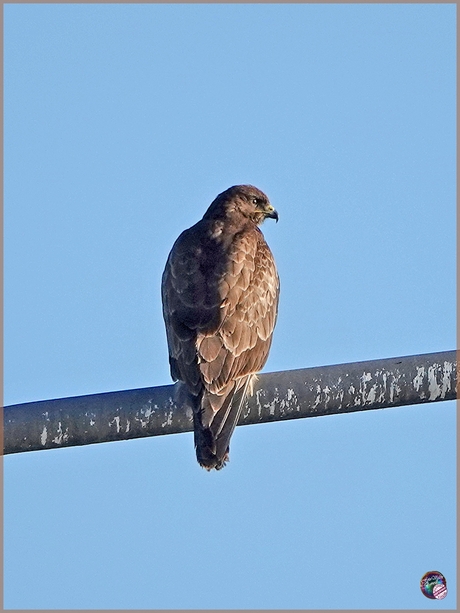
{"x":122,"y":123}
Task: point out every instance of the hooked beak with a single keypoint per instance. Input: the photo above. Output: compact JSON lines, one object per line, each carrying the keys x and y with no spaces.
{"x":272,"y":213}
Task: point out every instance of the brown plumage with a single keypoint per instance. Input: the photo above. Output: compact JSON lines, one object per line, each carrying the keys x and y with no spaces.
{"x":220,"y":293}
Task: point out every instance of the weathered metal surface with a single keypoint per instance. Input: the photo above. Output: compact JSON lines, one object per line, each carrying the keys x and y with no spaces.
{"x":309,"y":392}
{"x":358,"y":386}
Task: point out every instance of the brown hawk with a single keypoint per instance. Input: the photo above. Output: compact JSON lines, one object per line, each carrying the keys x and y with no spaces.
{"x":220,"y":293}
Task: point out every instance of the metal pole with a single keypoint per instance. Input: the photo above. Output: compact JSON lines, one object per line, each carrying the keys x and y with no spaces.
{"x":309,"y":392}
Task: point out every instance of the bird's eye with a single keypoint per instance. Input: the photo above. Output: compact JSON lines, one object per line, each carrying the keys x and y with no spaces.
{"x":255,"y":201}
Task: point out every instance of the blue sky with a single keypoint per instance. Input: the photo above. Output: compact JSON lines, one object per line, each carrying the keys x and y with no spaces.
{"x":122,"y":123}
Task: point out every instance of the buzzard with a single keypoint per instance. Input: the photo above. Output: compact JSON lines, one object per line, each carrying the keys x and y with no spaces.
{"x":220,"y":293}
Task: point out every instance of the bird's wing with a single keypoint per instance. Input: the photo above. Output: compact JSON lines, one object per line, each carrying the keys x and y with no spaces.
{"x":249,"y":288}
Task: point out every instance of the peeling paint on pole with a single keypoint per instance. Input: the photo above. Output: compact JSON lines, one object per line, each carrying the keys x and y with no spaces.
{"x":358,"y":386}
{"x":309,"y":392}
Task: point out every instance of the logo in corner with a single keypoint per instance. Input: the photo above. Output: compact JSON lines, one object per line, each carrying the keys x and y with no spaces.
{"x":434,"y":585}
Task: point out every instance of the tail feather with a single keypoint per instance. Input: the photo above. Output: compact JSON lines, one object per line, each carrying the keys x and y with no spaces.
{"x":212,"y":443}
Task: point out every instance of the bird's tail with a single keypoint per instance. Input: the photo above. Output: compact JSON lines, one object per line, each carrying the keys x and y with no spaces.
{"x":212,"y":441}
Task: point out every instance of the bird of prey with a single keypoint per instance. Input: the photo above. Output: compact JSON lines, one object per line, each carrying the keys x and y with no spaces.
{"x":220,"y":291}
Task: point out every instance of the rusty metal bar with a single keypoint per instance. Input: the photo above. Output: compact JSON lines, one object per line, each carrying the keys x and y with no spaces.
{"x":309,"y":392}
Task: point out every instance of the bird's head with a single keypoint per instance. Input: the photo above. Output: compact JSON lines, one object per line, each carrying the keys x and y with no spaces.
{"x":242,"y":200}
